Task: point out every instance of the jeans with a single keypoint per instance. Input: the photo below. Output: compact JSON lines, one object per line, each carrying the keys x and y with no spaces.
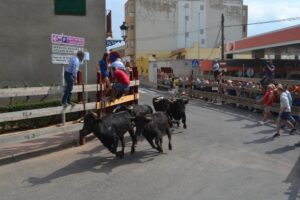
{"x":69,"y":87}
{"x":120,"y":88}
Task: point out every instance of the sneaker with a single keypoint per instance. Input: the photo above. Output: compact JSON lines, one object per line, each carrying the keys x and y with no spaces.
{"x":276,"y":135}
{"x":64,"y":105}
{"x":292,"y":131}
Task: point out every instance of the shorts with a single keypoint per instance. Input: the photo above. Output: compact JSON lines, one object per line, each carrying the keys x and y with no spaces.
{"x":120,"y":87}
{"x":285,"y":115}
{"x":104,"y":74}
{"x":267,"y":109}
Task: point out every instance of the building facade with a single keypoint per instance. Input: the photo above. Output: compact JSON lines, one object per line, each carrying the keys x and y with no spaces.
{"x":160,"y":26}
{"x":25,"y":44}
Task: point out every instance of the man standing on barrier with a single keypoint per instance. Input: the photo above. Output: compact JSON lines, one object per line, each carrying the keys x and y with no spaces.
{"x":71,"y":78}
{"x":269,"y":74}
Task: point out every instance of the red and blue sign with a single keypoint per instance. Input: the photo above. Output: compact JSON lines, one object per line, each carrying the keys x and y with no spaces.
{"x":67,"y":40}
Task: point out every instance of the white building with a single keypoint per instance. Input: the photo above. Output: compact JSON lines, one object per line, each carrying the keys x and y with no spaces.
{"x":168,"y":25}
{"x":200,"y":21}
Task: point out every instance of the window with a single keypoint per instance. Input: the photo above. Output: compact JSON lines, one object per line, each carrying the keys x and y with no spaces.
{"x":201,"y":7}
{"x":187,"y":18}
{"x":132,"y":27}
{"x":203,"y":41}
{"x":187,"y":34}
{"x":201,"y":31}
{"x":186,"y":5}
{"x":70,"y":7}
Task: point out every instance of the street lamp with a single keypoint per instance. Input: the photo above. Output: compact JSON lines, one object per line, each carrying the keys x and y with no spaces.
{"x":124,"y":30}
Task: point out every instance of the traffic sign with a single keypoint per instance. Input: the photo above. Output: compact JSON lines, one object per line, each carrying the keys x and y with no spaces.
{"x":67,"y":40}
{"x":195,"y":63}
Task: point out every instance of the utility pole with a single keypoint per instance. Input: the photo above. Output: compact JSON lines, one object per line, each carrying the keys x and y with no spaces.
{"x":198,"y":35}
{"x":222,"y":40}
{"x":185,"y":33}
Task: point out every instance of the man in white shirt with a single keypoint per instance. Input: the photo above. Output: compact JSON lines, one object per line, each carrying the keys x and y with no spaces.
{"x":285,"y":111}
{"x":118,"y":64}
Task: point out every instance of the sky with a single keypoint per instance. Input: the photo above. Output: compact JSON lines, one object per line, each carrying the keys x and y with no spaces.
{"x":258,"y":11}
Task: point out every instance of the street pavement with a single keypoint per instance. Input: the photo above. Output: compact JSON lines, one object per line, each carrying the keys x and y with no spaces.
{"x":224,"y":154}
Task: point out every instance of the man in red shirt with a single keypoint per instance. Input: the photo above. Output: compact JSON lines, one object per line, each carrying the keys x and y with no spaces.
{"x":268,"y":100}
{"x":122,"y":82}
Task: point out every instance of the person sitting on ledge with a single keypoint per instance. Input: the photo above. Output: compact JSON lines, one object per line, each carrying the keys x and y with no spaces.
{"x":121,"y":83}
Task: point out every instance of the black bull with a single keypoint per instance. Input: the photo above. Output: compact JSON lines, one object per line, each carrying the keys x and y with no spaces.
{"x":153,"y":127}
{"x":110,"y":130}
{"x":174,"y":109}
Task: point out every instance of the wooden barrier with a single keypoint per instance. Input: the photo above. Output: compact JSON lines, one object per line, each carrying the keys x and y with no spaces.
{"x":244,"y":101}
{"x":29,"y":114}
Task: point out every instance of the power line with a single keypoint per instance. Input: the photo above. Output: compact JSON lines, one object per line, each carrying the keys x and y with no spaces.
{"x":267,"y":22}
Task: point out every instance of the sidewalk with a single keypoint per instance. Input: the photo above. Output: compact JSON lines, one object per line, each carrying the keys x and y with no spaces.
{"x":23,"y":145}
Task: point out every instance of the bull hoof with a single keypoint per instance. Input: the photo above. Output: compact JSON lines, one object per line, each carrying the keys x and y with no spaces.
{"x":132,"y":151}
{"x":120,"y":154}
{"x":170,"y":147}
{"x":178,"y":124}
{"x":184,"y":126}
{"x":160,"y":150}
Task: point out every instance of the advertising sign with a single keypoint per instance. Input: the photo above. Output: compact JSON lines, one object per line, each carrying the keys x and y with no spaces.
{"x":64,"y":47}
{"x":67,"y":40}
{"x":60,"y":59}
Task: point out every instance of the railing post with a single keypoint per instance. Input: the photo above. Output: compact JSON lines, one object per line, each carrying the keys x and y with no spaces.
{"x":135,"y":76}
{"x":99,"y":94}
{"x":63,"y":114}
{"x":80,"y":95}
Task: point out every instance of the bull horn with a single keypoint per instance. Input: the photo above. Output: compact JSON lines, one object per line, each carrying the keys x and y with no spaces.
{"x":130,"y":107}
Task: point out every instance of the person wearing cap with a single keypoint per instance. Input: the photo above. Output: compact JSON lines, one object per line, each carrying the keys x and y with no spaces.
{"x":285,"y":111}
{"x":122,"y":83}
{"x":71,"y":77}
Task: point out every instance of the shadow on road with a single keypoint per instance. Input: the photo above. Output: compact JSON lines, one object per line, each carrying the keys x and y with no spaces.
{"x":261,"y":140}
{"x":294,"y":180}
{"x":284,"y":149}
{"x":95,"y":164}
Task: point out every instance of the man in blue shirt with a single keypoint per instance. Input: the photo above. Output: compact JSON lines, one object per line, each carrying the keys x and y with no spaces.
{"x":71,"y":77}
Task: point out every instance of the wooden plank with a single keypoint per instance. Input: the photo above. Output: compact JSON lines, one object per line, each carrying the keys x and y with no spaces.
{"x":118,"y":101}
{"x":36,"y":91}
{"x":42,"y":112}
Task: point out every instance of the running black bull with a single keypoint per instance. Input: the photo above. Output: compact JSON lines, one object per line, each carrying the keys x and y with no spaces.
{"x":110,"y":130}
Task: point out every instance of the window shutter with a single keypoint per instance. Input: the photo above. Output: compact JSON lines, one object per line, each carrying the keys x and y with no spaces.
{"x":70,"y":7}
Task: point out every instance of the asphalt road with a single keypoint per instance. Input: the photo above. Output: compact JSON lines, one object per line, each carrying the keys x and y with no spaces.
{"x":223,"y":155}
